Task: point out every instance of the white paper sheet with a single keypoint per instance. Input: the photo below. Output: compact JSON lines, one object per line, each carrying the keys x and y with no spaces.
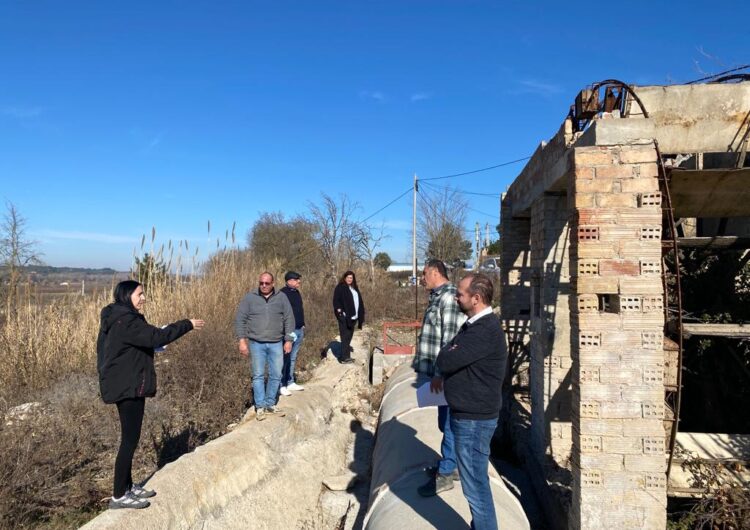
{"x":425,"y":398}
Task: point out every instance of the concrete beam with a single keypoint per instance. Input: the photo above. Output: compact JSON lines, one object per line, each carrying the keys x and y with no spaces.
{"x":545,"y":171}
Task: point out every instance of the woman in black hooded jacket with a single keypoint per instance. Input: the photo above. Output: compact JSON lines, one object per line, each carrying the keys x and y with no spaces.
{"x":125,"y":362}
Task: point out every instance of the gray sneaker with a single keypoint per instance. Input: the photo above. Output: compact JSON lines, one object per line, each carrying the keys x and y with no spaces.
{"x":435,"y":485}
{"x":128,"y":501}
{"x":275,"y":410}
{"x":260,"y":414}
{"x":142,"y":493}
{"x":432,"y":471}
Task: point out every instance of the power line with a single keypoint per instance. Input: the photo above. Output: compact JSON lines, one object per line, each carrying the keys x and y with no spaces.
{"x":459,"y":190}
{"x":478,"y":170}
{"x":717,"y":75}
{"x":387,"y":205}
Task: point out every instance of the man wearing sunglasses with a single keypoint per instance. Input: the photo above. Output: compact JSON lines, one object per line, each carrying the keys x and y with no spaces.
{"x":265,"y":328}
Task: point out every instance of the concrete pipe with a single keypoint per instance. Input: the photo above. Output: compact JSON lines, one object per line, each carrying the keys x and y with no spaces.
{"x":408,"y":440}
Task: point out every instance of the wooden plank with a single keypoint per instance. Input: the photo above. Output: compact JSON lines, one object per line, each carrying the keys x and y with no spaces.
{"x":710,"y":192}
{"x":733,"y":331}
{"x":718,"y":242}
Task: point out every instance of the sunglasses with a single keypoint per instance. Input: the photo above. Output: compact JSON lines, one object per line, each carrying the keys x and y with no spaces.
{"x":265,"y":283}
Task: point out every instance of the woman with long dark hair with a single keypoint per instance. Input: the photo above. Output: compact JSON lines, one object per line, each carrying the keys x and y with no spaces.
{"x":349,"y":309}
{"x":125,"y":362}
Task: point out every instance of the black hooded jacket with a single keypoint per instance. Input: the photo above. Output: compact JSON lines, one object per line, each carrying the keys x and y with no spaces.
{"x":125,"y":352}
{"x":343,"y":306}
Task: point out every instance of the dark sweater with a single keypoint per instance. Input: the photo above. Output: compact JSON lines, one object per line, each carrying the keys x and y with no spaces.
{"x":295,"y":298}
{"x":473,"y":366}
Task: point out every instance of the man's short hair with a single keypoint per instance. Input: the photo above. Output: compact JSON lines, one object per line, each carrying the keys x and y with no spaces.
{"x":266,"y":272}
{"x":438,"y":265}
{"x":482,"y":285}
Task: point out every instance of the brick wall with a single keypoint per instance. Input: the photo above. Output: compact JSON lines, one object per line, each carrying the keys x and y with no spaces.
{"x":616,"y":317}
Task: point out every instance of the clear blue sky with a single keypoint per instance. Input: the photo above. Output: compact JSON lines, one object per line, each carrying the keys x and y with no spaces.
{"x":116,"y":117}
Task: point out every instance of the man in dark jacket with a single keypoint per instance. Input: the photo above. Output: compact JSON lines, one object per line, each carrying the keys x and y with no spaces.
{"x":291,"y":290}
{"x":473,"y":367}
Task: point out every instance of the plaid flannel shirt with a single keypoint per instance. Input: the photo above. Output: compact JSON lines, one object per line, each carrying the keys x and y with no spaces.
{"x":442,"y":320}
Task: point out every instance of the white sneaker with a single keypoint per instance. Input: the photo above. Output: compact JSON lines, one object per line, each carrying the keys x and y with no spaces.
{"x":284,"y":392}
{"x":294,"y":387}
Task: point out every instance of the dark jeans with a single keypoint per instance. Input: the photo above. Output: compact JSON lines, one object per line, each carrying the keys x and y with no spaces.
{"x":131,"y":420}
{"x":346,"y":334}
{"x":472,"y":438}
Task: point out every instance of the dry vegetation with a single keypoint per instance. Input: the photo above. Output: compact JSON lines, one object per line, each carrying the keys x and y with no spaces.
{"x":56,"y":463}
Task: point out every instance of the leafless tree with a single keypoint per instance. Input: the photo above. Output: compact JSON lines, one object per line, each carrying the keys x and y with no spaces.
{"x":16,"y":252}
{"x":367,"y":240}
{"x":442,"y":216}
{"x":334,"y":231}
{"x":290,"y":243}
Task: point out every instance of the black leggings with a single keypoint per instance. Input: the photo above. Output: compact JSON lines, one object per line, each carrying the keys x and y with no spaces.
{"x":346,"y":334}
{"x":131,"y":420}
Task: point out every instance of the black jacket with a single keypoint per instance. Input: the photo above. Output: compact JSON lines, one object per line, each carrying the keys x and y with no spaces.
{"x":298,"y":308}
{"x":125,"y":352}
{"x":343,"y":306}
{"x":473,"y":365}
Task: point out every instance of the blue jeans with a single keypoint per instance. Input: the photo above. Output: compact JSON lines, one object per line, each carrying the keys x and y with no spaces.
{"x":287,"y":373}
{"x":472,"y":438}
{"x":262,"y":353}
{"x":447,"y":464}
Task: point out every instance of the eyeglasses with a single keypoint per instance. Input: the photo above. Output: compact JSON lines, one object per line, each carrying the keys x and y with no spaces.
{"x":265,"y":283}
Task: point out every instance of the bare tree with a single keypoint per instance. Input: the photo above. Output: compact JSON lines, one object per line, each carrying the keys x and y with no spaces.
{"x":442,"y":216}
{"x":334,"y":231}
{"x":16,"y":252}
{"x":290,"y":243}
{"x":367,"y":241}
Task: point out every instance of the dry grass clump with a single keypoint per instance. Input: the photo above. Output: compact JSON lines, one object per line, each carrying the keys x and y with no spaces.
{"x":56,"y":464}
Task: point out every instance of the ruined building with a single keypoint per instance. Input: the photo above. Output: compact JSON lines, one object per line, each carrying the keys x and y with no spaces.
{"x":591,"y":300}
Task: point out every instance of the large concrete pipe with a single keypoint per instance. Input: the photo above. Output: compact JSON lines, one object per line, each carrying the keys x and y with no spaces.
{"x":408,"y":440}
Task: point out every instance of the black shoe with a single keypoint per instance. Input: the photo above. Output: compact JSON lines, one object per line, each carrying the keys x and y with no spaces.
{"x":435,"y":485}
{"x":348,"y":360}
{"x":433,"y":470}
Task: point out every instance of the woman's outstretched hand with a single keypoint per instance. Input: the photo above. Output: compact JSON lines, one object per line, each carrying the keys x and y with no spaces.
{"x":197,"y":323}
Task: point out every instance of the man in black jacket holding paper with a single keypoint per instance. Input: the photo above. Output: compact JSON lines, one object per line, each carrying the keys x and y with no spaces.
{"x":473,"y":367}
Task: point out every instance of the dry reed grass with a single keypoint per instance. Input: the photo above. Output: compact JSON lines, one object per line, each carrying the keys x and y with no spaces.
{"x":56,"y":464}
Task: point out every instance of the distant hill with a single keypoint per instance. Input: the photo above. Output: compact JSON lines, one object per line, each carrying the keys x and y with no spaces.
{"x":47,"y":272}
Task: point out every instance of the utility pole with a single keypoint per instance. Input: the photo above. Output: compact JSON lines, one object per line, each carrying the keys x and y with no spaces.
{"x":486,"y":235}
{"x":414,"y":249}
{"x":476,"y":243}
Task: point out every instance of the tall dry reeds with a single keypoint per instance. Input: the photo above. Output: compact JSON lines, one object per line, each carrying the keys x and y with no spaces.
{"x":57,"y":461}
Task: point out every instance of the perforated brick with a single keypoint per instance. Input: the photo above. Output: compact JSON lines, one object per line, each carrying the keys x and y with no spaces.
{"x":591,"y":444}
{"x":653,"y":446}
{"x":588,"y":303}
{"x":650,"y":233}
{"x":652,"y":340}
{"x":588,"y":375}
{"x":590,"y":340}
{"x":652,"y":409}
{"x":653,"y":374}
{"x":590,"y":409}
{"x":649,"y":267}
{"x":588,"y":267}
{"x":627,"y":304}
{"x":591,"y":478}
{"x":653,"y":303}
{"x":588,"y":233}
{"x":649,"y":199}
{"x":655,"y":481}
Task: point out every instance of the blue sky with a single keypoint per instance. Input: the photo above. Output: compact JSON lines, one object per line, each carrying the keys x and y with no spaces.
{"x":118,"y":117}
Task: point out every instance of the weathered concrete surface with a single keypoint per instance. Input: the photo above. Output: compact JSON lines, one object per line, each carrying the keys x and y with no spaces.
{"x":262,"y":475}
{"x":409,"y":440}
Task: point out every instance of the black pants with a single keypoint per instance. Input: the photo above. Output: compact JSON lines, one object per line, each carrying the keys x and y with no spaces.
{"x":346,"y":334}
{"x":131,"y":420}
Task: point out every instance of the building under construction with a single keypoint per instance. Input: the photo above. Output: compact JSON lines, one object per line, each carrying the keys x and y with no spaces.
{"x":593,"y":230}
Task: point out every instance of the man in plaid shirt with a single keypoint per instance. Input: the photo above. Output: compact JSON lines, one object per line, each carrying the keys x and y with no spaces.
{"x":442,"y":320}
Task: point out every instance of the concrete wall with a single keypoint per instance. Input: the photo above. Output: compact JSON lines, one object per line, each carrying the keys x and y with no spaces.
{"x":550,"y":364}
